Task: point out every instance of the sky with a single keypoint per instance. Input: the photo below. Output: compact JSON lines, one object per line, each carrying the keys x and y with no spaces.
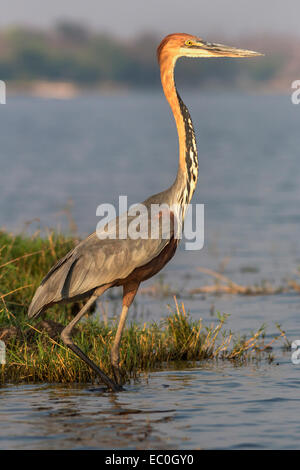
{"x":125,"y":18}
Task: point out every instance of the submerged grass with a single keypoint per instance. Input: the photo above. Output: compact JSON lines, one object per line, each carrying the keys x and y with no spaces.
{"x":35,"y":352}
{"x":35,"y":356}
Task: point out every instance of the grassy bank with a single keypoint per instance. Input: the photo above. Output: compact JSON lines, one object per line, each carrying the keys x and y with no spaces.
{"x":36,"y":353}
{"x":24,"y":261}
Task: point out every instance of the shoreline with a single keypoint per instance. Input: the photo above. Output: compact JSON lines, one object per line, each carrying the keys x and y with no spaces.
{"x":63,"y":90}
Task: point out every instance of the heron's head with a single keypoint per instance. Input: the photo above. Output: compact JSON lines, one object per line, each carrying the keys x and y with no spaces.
{"x":184,"y":45}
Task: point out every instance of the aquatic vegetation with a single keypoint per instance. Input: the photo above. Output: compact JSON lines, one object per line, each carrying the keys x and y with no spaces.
{"x":36,"y":353}
{"x":33,"y":355}
{"x":225,"y":285}
{"x":24,"y":260}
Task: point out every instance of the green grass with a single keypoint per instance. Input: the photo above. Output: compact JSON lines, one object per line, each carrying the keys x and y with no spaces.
{"x":24,"y":261}
{"x":35,"y":355}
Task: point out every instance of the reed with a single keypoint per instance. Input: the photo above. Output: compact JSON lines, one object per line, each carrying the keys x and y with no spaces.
{"x":35,"y":352}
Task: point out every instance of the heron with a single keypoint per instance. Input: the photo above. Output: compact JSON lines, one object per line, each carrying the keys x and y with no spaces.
{"x":96,"y":264}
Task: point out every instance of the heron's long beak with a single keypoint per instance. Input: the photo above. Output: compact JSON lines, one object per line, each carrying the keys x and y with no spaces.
{"x":208,"y":49}
{"x":219,"y":50}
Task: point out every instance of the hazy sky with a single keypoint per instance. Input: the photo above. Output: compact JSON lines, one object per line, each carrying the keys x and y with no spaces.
{"x":125,"y":18}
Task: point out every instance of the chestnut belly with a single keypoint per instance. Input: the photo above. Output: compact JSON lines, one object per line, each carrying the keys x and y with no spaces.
{"x":143,"y":273}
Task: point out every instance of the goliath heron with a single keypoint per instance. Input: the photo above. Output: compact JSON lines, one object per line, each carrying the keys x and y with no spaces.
{"x":95,"y":265}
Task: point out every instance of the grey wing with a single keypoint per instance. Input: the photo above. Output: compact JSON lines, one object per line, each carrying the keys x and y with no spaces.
{"x":95,"y":262}
{"x":101,"y":261}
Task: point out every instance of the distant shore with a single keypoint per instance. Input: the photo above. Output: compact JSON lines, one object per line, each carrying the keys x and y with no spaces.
{"x":63,"y":90}
{"x":67,"y":60}
{"x":60,"y":89}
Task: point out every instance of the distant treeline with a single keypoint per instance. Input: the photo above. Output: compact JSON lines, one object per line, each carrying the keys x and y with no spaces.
{"x":70,"y":52}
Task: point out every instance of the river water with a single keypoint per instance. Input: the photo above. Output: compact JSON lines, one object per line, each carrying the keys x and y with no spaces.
{"x":91,"y":150}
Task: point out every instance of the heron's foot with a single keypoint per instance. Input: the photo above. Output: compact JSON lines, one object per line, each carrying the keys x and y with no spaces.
{"x":117,"y":374}
{"x":112,"y":385}
{"x":115,"y":360}
{"x":118,"y":386}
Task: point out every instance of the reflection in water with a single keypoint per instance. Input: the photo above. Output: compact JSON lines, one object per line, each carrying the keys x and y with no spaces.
{"x":212,"y":406}
{"x":75,"y":417}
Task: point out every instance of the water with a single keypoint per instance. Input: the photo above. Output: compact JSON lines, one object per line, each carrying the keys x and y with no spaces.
{"x":209,"y":407}
{"x":92,"y":149}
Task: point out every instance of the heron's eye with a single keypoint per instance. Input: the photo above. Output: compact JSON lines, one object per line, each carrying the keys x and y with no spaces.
{"x":188,"y":42}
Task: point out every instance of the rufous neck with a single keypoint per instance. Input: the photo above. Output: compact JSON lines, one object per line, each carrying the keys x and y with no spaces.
{"x":167,"y":65}
{"x":188,"y":163}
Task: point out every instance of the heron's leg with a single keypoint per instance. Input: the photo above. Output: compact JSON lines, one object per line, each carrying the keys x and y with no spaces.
{"x":129,"y":292}
{"x":66,"y":336}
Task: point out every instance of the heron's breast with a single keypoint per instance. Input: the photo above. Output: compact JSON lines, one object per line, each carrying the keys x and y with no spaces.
{"x":142,"y":273}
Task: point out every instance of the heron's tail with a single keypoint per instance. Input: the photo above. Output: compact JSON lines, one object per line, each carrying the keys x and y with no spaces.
{"x":51,"y":288}
{"x":37,"y":305}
